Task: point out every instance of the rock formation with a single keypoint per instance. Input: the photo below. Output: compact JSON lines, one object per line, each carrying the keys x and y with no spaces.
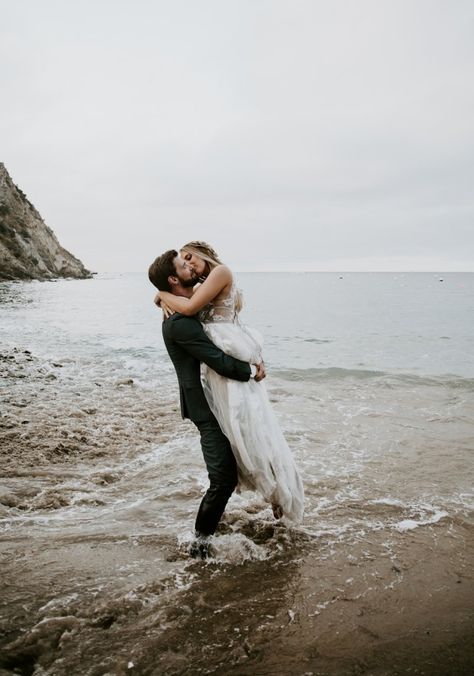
{"x":28,"y":248}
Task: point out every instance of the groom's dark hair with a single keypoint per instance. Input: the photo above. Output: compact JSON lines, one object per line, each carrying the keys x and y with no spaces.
{"x":162,"y":268}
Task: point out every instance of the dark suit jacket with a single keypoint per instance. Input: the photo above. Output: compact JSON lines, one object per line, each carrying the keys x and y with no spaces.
{"x":188,"y":346}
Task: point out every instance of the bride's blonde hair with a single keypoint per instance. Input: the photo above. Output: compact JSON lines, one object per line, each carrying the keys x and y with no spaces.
{"x":207,"y":253}
{"x":204,"y":251}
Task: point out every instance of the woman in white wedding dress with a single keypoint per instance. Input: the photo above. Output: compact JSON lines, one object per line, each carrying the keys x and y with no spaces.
{"x":243,"y":410}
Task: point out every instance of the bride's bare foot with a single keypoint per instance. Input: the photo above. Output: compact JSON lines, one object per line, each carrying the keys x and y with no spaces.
{"x":277,"y":510}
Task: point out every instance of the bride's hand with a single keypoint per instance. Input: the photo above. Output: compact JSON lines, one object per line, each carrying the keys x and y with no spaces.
{"x":167,"y":311}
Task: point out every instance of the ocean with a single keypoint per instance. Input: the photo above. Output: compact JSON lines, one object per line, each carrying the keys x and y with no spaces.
{"x":372,"y":379}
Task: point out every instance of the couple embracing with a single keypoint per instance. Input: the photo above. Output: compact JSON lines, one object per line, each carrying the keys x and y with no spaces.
{"x":225,"y":398}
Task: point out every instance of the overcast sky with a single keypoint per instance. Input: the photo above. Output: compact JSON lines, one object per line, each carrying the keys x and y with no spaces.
{"x":290,"y":134}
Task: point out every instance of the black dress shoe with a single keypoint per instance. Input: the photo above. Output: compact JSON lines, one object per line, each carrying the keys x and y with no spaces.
{"x":201,"y":548}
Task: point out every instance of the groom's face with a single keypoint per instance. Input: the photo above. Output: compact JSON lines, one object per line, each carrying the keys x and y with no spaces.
{"x":185,"y":273}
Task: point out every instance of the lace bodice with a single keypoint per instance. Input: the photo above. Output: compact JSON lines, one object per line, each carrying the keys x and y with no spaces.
{"x":223,"y":310}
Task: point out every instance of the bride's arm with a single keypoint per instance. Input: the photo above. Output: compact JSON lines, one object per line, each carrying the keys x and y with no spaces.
{"x":217,"y":280}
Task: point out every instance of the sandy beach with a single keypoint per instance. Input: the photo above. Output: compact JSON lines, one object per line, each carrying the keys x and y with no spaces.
{"x":274,"y":601}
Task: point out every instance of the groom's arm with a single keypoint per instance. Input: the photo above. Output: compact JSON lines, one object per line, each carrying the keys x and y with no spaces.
{"x":188,"y":333}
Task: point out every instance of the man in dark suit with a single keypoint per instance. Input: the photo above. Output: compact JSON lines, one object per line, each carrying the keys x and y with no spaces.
{"x":188,"y":346}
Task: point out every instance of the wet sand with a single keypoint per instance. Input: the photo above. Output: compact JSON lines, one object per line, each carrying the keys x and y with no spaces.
{"x":384,"y":603}
{"x":373,"y":610}
{"x":52,"y":415}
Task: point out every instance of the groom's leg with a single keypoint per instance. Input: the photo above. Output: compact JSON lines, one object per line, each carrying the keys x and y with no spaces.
{"x":222,"y":470}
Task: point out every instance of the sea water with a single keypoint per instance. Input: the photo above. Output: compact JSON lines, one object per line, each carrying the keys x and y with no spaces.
{"x":371,"y":376}
{"x":368,"y":372}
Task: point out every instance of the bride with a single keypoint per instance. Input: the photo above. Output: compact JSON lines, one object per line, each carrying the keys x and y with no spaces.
{"x":243,"y":410}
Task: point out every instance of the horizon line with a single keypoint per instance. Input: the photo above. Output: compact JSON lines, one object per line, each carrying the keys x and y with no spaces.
{"x":432,"y":272}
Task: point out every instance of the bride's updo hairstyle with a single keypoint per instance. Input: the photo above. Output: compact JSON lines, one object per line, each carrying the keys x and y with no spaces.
{"x":207,"y":253}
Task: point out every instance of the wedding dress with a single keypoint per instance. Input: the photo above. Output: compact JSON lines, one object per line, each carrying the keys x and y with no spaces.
{"x":264,"y":461}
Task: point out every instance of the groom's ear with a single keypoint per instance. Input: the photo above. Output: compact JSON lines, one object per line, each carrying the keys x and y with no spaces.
{"x":172,"y":280}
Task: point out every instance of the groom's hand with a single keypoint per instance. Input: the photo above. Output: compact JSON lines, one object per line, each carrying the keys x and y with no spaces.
{"x":260,"y":375}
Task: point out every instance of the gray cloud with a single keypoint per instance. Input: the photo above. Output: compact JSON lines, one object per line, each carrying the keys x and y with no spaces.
{"x":292,"y":135}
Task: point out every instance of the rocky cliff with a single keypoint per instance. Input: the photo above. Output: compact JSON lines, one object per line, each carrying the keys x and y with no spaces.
{"x":28,"y":248}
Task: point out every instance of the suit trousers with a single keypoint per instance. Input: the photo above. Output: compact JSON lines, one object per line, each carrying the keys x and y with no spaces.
{"x":222,"y":471}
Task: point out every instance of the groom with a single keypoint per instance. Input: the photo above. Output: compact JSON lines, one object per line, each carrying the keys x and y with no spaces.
{"x":188,"y":346}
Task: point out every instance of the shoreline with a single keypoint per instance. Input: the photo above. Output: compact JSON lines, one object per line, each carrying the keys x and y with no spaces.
{"x":57,"y":417}
{"x":338,"y":610}
{"x":122,"y":597}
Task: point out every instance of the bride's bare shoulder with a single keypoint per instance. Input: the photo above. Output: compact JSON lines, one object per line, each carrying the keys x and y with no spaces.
{"x":222,"y":272}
